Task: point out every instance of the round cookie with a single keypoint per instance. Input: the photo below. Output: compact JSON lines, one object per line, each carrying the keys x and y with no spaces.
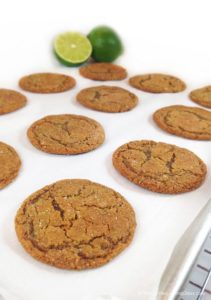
{"x":103,"y":72}
{"x":9,"y":164}
{"x":107,"y":99}
{"x":160,"y":167}
{"x":47,"y":83}
{"x":11,"y":101}
{"x":188,"y":122}
{"x":202,"y":96}
{"x":157,"y":83}
{"x":75,"y":224}
{"x":66,"y":134}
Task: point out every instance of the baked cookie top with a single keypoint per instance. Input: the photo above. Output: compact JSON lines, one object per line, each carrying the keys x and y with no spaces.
{"x":107,"y":98}
{"x":11,"y":101}
{"x":103,"y":72}
{"x":47,"y":83}
{"x":202,"y":96}
{"x":157,"y":83}
{"x":75,"y":224}
{"x":189,"y":122}
{"x":66,"y":134}
{"x":160,"y":167}
{"x":9,"y":164}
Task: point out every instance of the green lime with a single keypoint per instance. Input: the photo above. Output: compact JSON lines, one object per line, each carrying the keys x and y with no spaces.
{"x":72,"y":48}
{"x":106,"y":44}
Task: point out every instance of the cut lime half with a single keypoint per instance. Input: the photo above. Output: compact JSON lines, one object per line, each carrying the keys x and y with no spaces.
{"x":72,"y":48}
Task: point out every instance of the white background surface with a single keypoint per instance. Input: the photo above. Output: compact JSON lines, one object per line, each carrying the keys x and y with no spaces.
{"x":159,"y":36}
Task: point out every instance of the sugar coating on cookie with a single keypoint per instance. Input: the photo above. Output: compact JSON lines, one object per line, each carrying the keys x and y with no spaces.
{"x":47,"y":83}
{"x":160,"y":167}
{"x":11,"y":101}
{"x":202,"y":96}
{"x":107,"y":98}
{"x":157,"y":83}
{"x":66,"y":134}
{"x":188,"y":122}
{"x":9,"y":164}
{"x":75,"y":224}
{"x":103,"y":72}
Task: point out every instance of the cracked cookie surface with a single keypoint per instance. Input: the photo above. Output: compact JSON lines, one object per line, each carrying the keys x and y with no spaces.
{"x":107,"y":98}
{"x":157,"y":83}
{"x":160,"y":167}
{"x":202,"y":96}
{"x":66,"y":134}
{"x":189,"y":122}
{"x":11,"y":101}
{"x":103,"y":72}
{"x":47,"y":83}
{"x":75,"y":224}
{"x":9,"y":164}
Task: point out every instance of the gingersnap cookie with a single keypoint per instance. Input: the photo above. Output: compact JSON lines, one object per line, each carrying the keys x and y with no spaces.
{"x":66,"y":134}
{"x":47,"y":83}
{"x":107,"y":99}
{"x":75,"y":224}
{"x":9,"y":164}
{"x":157,"y":83}
{"x":11,"y":101}
{"x":202,"y":96}
{"x":160,"y":167}
{"x":103,"y":72}
{"x":189,"y":122}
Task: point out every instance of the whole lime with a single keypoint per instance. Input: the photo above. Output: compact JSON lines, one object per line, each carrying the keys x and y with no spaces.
{"x":106,"y":44}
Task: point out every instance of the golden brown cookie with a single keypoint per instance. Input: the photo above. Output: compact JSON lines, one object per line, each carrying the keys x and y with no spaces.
{"x":75,"y":224}
{"x":66,"y":134}
{"x":9,"y":164}
{"x":103,"y":72}
{"x":47,"y":83}
{"x":160,"y":167}
{"x":157,"y":83}
{"x":11,"y":101}
{"x":107,"y":98}
{"x":202,"y":96}
{"x":189,"y":122}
